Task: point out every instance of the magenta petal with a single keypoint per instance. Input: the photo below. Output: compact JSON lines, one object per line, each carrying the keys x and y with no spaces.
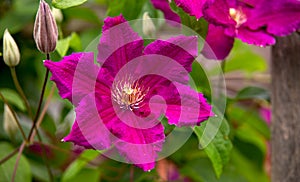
{"x":182,"y":105}
{"x":142,"y":155}
{"x":77,"y":137}
{"x":118,"y":44}
{"x":192,"y":7}
{"x":251,"y":3}
{"x":182,"y":49}
{"x":89,"y":130}
{"x":136,"y":140}
{"x":187,"y":107}
{"x":164,"y":6}
{"x":140,"y":146}
{"x":218,"y":45}
{"x":281,"y":17}
{"x":218,"y":13}
{"x":64,"y":71}
{"x":259,"y":38}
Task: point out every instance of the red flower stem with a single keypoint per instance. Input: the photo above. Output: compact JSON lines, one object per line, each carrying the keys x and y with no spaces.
{"x":43,"y":112}
{"x":18,"y":160}
{"x":132,"y":173}
{"x":40,"y":102}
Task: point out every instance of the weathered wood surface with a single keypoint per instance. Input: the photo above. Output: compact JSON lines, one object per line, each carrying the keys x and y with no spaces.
{"x":286,"y":109}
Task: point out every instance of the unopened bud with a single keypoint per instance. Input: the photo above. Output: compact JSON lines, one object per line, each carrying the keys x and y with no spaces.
{"x":148,"y":26}
{"x":11,"y":53}
{"x":9,"y":123}
{"x":45,"y":31}
{"x":57,"y":14}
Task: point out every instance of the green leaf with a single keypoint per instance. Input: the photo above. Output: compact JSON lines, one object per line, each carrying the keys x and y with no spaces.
{"x":39,"y":170}
{"x":253,"y":93}
{"x":201,"y":170}
{"x":83,"y":13}
{"x":247,"y":168}
{"x":128,"y":8}
{"x":218,"y":150}
{"x":248,"y":134}
{"x":200,"y":79}
{"x":6,"y":169}
{"x":241,"y":116}
{"x":62,"y":46}
{"x":72,"y":41}
{"x":63,"y":4}
{"x":85,"y":174}
{"x":75,"y":42}
{"x":242,"y":58}
{"x":79,"y":164}
{"x":18,"y":16}
{"x":13,"y":98}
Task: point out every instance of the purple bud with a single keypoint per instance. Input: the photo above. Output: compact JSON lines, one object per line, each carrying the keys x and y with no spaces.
{"x":45,"y":29}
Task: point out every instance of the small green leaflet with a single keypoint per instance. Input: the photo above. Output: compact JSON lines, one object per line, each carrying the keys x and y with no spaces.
{"x":63,"y":4}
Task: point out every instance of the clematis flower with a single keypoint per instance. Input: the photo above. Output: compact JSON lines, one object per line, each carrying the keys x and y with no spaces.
{"x":253,"y":21}
{"x":118,"y":104}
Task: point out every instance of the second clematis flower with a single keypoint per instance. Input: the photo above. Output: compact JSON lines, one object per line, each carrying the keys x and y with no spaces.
{"x":253,"y":21}
{"x":119,"y":100}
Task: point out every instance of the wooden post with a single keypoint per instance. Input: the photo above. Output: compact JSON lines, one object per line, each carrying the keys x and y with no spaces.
{"x":285,"y":128}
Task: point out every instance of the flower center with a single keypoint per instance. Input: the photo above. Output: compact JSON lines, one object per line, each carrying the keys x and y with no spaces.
{"x":238,"y":16}
{"x":128,"y":94}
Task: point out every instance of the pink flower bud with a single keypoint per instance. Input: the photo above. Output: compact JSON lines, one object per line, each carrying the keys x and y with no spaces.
{"x":45,"y":29}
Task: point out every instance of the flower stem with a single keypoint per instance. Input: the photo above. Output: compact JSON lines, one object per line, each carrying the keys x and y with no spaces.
{"x":18,"y":160}
{"x":132,"y":173}
{"x":40,"y":101}
{"x":20,"y":90}
{"x":43,"y":112}
{"x":14,"y":115}
{"x":221,"y":82}
{"x":3,"y":160}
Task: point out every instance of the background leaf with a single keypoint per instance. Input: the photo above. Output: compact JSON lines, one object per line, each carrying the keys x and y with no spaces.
{"x":13,"y":98}
{"x":72,"y":41}
{"x":63,"y":4}
{"x":253,"y":93}
{"x":128,"y":8}
{"x":74,"y":168}
{"x":242,"y":58}
{"x":218,"y":150}
{"x":6,"y":170}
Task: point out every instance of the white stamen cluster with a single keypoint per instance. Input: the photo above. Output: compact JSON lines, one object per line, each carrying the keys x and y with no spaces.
{"x":238,"y":16}
{"x":128,"y":94}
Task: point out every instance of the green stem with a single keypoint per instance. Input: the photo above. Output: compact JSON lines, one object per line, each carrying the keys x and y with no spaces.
{"x":220,"y":83}
{"x":3,"y":160}
{"x":20,"y":90}
{"x":14,"y":115}
{"x":40,"y":102}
